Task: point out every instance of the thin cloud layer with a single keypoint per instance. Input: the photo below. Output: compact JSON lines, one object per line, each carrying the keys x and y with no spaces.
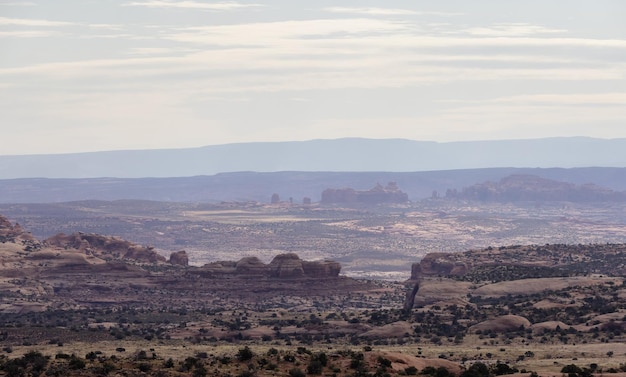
{"x":223,"y":6}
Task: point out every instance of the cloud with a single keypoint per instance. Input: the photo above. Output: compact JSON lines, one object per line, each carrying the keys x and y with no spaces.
{"x":372,"y":11}
{"x":28,"y":34}
{"x":32,"y":22}
{"x":511,"y":30}
{"x":589,"y":99}
{"x":222,"y":6}
{"x":18,"y":4}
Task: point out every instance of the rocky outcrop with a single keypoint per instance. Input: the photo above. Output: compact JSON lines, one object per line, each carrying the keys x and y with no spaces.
{"x":13,"y":233}
{"x":321,"y":269}
{"x":438,"y":264}
{"x":377,"y":195}
{"x":251,"y":266}
{"x":286,"y":266}
{"x":105,"y":247}
{"x":283,"y":266}
{"x":179,"y":258}
{"x":503,"y":323}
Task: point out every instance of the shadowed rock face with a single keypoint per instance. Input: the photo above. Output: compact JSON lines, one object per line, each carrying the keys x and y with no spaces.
{"x":105,"y":247}
{"x":179,"y":258}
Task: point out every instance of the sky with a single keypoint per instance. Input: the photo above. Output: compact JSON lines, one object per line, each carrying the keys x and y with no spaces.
{"x":94,"y":75}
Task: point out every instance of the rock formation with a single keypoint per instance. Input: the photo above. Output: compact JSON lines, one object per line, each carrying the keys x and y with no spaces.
{"x":179,"y":258}
{"x":503,"y":323}
{"x":13,"y":233}
{"x":286,"y":266}
{"x":105,"y":247}
{"x":251,"y":266}
{"x":438,"y":264}
{"x":283,"y":266}
{"x":377,"y":195}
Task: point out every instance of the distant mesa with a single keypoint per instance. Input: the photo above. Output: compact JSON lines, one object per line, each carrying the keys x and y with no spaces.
{"x":377,"y":195}
{"x":518,"y":187}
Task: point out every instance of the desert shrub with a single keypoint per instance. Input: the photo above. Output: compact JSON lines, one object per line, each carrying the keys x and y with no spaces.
{"x":76,"y":363}
{"x":245,"y":354}
{"x":105,"y":369}
{"x":169,"y":363}
{"x":32,"y":363}
{"x":476,"y":370}
{"x":500,"y":369}
{"x":314,"y":367}
{"x":296,"y":372}
{"x":144,"y":367}
{"x":247,"y":373}
{"x":289,"y":358}
{"x":199,"y":371}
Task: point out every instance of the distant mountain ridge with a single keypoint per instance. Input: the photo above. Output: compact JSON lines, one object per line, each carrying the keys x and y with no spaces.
{"x":337,"y":155}
{"x":520,"y":188}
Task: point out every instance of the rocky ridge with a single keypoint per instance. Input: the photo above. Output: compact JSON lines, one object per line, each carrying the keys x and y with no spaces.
{"x":83,"y":270}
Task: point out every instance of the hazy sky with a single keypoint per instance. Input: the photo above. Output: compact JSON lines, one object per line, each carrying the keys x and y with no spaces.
{"x":89,"y":75}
